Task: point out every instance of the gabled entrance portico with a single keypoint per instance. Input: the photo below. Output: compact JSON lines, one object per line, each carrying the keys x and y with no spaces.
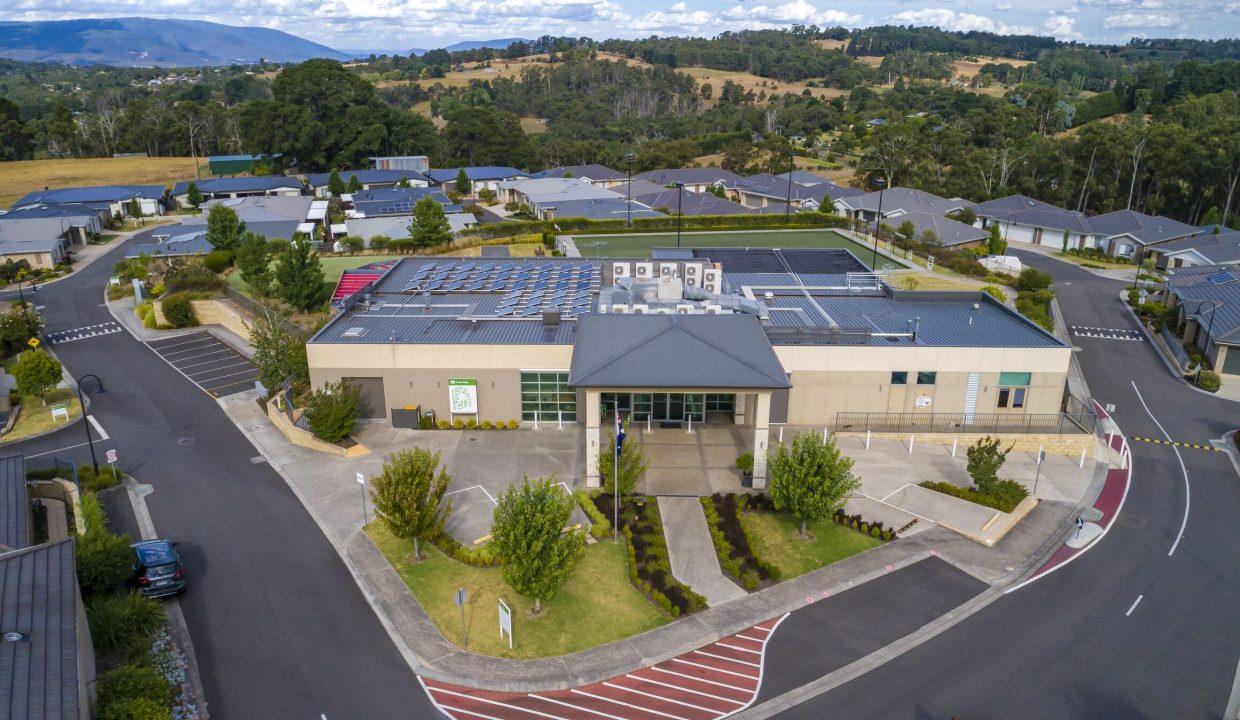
{"x":672,"y":369}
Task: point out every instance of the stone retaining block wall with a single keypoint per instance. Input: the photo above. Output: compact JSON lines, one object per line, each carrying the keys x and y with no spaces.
{"x":212,"y":312}
{"x":306,"y":439}
{"x":1070,"y":445}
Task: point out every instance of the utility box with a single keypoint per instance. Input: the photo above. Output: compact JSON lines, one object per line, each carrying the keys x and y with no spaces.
{"x":407,"y":417}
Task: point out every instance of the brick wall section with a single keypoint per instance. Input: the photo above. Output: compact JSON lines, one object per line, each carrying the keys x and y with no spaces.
{"x":1070,"y":445}
{"x":212,"y":312}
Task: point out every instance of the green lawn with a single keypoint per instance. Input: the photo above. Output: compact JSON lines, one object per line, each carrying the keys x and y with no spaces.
{"x":596,"y":606}
{"x":333,"y":267}
{"x":775,"y":539}
{"x":35,"y":418}
{"x":639,"y":245}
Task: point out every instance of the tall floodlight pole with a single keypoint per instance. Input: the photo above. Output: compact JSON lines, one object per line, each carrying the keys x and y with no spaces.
{"x":878,"y":224}
{"x":628,"y":169}
{"x":680,"y":209}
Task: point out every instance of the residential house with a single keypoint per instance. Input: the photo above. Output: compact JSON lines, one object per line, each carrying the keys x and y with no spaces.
{"x":695,"y":179}
{"x":480,"y":178}
{"x":600,"y":209}
{"x":42,"y":242}
{"x":695,"y":204}
{"x":87,"y":222}
{"x":1209,"y":298}
{"x":597,"y":175}
{"x":113,"y":198}
{"x":1125,"y":233}
{"x":895,"y":202}
{"x":393,"y":201}
{"x":541,"y":196}
{"x":418,"y":163}
{"x":808,"y":179}
{"x":271,"y":217}
{"x":1023,"y":219}
{"x":181,"y":244}
{"x":237,"y":187}
{"x":947,"y":232}
{"x":637,"y":188}
{"x":1210,"y":249}
{"x":763,"y":189}
{"x":395,"y":227}
{"x":370,"y":180}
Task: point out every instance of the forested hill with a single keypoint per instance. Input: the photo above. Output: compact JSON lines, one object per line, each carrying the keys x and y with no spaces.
{"x":144,"y":42}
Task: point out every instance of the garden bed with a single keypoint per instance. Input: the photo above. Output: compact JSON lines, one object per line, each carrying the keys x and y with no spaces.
{"x":775,"y":536}
{"x":1003,"y":502}
{"x":596,"y":591}
{"x":649,"y":566}
{"x":35,"y":418}
{"x":733,"y":545}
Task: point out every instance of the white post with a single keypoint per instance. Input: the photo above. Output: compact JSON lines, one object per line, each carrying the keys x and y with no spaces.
{"x":1082,"y":462}
{"x":648,"y":416}
{"x":535,"y":419}
{"x":690,"y":430}
{"x":867,"y":439}
{"x":910,"y":444}
{"x":560,"y":417}
{"x":824,"y":435}
{"x":781,"y":434}
{"x":1108,"y":440}
{"x":954,"y":441}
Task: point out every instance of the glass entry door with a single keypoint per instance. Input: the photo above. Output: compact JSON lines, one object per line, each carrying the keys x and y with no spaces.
{"x":677,"y":407}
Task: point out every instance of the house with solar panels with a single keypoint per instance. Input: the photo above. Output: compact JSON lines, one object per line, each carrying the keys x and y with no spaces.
{"x":392,"y":201}
{"x":1209,"y":248}
{"x":1209,"y":319}
{"x":238,"y":187}
{"x":369,"y":179}
{"x":754,"y":339}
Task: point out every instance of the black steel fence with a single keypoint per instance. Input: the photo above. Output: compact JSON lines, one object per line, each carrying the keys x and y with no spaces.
{"x":259,"y":310}
{"x":1062,"y":423}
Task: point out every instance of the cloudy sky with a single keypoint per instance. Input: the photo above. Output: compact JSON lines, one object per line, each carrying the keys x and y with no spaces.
{"x":397,"y":24}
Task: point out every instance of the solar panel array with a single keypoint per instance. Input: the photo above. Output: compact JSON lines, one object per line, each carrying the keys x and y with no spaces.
{"x":1221,"y":278}
{"x":527,"y":288}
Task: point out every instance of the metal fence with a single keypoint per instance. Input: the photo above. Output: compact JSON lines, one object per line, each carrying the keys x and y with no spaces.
{"x":63,"y":468}
{"x":259,"y":310}
{"x":1175,"y":347}
{"x":1050,"y":423}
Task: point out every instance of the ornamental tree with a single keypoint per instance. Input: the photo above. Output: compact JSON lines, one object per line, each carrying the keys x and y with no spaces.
{"x":224,"y":228}
{"x":299,"y":275}
{"x":811,"y":479}
{"x":528,"y":532}
{"x":408,"y":495}
{"x":430,"y":226}
{"x":37,"y":373}
{"x":633,"y":464}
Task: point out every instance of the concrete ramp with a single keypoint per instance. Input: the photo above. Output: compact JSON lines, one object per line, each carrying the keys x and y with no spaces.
{"x":691,"y":551}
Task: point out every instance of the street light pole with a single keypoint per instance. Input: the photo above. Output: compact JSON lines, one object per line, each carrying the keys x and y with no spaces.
{"x":1205,"y":350}
{"x":878,"y":224}
{"x":680,"y":209}
{"x":34,"y":288}
{"x":628,"y":169}
{"x":1137,"y":275}
{"x":788,"y":205}
{"x":86,"y":416}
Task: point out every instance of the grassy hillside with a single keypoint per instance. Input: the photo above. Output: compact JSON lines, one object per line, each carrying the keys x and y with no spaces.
{"x":19,"y":178}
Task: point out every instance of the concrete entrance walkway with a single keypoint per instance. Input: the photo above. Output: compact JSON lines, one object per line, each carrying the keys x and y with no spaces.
{"x":697,"y":463}
{"x":691,"y":551}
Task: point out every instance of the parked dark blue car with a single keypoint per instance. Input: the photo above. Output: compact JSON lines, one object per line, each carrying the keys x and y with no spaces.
{"x":157,"y":568}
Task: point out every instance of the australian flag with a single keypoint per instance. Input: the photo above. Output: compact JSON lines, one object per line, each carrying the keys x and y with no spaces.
{"x":619,"y":433}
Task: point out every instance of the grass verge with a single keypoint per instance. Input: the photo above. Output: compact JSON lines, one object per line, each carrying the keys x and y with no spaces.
{"x":775,"y":538}
{"x":598,"y":591}
{"x":35,"y":418}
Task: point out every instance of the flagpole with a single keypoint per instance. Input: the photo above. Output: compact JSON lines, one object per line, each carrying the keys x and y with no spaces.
{"x":615,"y":479}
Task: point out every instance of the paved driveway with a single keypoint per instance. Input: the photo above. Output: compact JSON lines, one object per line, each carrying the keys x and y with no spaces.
{"x":208,"y":363}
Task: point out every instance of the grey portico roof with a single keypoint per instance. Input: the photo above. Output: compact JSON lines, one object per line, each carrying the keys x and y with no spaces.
{"x":38,"y":593}
{"x":588,"y":172}
{"x":674,"y":351}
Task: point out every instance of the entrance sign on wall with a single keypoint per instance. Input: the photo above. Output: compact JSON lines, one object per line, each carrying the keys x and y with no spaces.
{"x":463,"y":396}
{"x":923,"y":401}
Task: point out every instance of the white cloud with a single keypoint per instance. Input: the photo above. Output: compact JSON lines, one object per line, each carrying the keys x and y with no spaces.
{"x":1139,"y":20}
{"x":797,"y":11}
{"x":1232,"y":8}
{"x":1003,"y":7}
{"x":952,"y":20}
{"x":1062,"y":27}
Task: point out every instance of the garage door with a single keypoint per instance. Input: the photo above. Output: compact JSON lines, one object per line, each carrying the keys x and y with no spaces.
{"x":1231,"y":361}
{"x":374,"y":405}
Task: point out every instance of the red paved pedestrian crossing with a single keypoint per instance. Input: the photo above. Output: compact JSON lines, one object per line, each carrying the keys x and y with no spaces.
{"x":711,"y":682}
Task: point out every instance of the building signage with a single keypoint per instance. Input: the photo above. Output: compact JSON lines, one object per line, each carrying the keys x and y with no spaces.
{"x":463,"y":396}
{"x":505,"y":622}
{"x":923,"y":401}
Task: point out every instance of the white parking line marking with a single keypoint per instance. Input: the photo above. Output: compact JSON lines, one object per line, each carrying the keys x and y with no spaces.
{"x":726,"y":659}
{"x":628,"y":705}
{"x":453,"y":708}
{"x":746,"y":637}
{"x":600,"y":713}
{"x":685,"y":689}
{"x":1134,"y":605}
{"x":656,"y":668}
{"x":738,"y":647}
{"x":497,"y":702}
{"x":221,"y":377}
{"x":98,"y":428}
{"x":660,"y":698}
{"x":212,"y":362}
{"x":187,"y":342}
{"x":714,"y":669}
{"x":191,"y":357}
{"x":1187,"y":490}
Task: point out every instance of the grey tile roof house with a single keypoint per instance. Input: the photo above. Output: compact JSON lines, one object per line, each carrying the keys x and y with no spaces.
{"x":14,"y":518}
{"x":45,"y":669}
{"x":1218,"y":249}
{"x":640,"y":187}
{"x":695,"y":178}
{"x":898,"y":200}
{"x":1125,"y":230}
{"x":1027,"y":211}
{"x":184,"y":244}
{"x":948,"y":232}
{"x":693,"y":203}
{"x":598,"y":209}
{"x":804,"y":178}
{"x":592,"y":173}
{"x":369,"y":179}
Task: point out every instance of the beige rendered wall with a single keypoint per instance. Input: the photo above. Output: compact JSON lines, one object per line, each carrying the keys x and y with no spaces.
{"x":418,"y":374}
{"x":833,"y":379}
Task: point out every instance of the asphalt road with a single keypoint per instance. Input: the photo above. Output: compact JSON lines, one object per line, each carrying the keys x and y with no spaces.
{"x":278,"y":624}
{"x":1127,"y":630}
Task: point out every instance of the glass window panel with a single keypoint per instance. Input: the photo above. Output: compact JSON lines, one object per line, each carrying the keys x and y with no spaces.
{"x":1014,"y":378}
{"x":899,"y":377}
{"x":1004,"y":395}
{"x":1018,"y":399}
{"x":926,"y":378}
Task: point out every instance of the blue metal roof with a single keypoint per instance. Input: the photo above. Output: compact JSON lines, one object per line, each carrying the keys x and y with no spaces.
{"x":50,"y":211}
{"x":489,"y":172}
{"x":367,"y":177}
{"x":262,"y":183}
{"x":99,"y":194}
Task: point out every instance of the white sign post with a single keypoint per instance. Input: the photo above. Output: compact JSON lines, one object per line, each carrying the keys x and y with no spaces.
{"x":361,"y":480}
{"x":111,"y":456}
{"x":462,"y":396}
{"x":505,"y":622}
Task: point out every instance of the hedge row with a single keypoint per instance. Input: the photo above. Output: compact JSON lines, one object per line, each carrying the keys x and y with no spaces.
{"x":471,"y":424}
{"x":600,"y":526}
{"x":1006,"y":500}
{"x":856,"y":522}
{"x":478,"y":556}
{"x":732,"y":542}
{"x":649,"y":567}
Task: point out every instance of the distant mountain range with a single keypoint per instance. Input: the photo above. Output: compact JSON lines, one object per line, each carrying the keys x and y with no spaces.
{"x":497,"y":44}
{"x":130,"y":42}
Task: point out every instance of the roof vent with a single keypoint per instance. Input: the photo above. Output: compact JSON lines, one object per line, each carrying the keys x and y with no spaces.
{"x":354,"y":332}
{"x":13,"y":636}
{"x":551,"y":317}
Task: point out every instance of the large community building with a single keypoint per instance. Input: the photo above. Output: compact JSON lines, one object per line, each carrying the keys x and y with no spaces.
{"x":756,"y":338}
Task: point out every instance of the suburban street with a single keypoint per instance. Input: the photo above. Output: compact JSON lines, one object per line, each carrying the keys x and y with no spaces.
{"x":1129,"y":629}
{"x":278,"y":624}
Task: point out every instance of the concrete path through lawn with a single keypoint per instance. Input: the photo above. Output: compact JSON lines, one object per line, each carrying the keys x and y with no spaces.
{"x":691,"y":551}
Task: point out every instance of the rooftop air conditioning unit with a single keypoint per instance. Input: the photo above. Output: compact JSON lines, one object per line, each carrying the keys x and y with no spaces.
{"x":619,"y":270}
{"x":691,"y":270}
{"x":619,"y":309}
{"x":684,"y":309}
{"x":713,"y":309}
{"x":712,"y":280}
{"x":691,"y":282}
{"x":641,"y":309}
{"x":667,"y":270}
{"x":644,"y":271}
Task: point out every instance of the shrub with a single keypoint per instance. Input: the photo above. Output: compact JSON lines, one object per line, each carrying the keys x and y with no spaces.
{"x":179,"y":311}
{"x":600,"y":526}
{"x":128,"y":683}
{"x":996,"y":292}
{"x":426,"y":422}
{"x":977,"y":496}
{"x":486,"y":425}
{"x":36,"y":373}
{"x":1032,"y":279}
{"x":1209,"y":380}
{"x":136,"y":709}
{"x":458,"y":424}
{"x":744,"y":462}
{"x":333,"y":410}
{"x":121,"y":621}
{"x":514,"y":424}
{"x":106,"y":478}
{"x":471,"y":424}
{"x":192,"y":277}
{"x":217,"y":261}
{"x":443,"y":424}
{"x":158,"y":289}
{"x":102,"y":561}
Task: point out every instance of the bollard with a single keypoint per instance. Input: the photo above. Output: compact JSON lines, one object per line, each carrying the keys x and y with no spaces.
{"x":910,"y":444}
{"x":824,"y":435}
{"x":648,"y":416}
{"x":781,"y":434}
{"x":1082,"y":462}
{"x":954,"y":441}
{"x":690,"y":430}
{"x":535,"y":419}
{"x":867,"y":439}
{"x":560,"y":418}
